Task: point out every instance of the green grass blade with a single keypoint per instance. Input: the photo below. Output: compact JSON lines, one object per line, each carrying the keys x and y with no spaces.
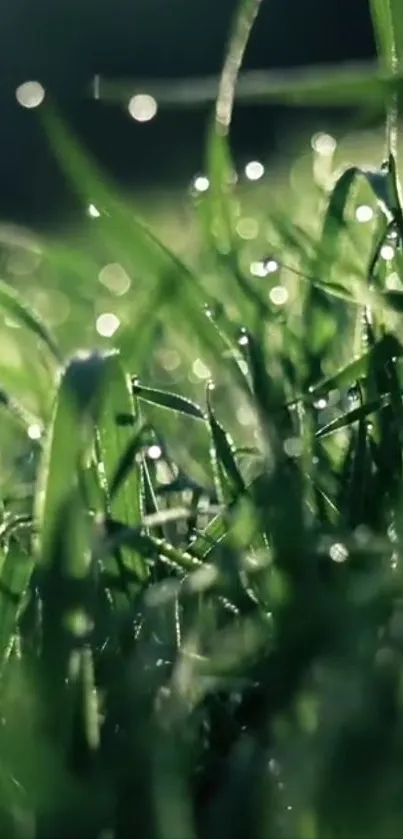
{"x":126,"y":463}
{"x":15,"y":410}
{"x":171,"y":401}
{"x":387,"y":18}
{"x":125,"y":503}
{"x":350,"y":417}
{"x":244,"y":19}
{"x":358,"y":369}
{"x":229,"y":478}
{"x":220,"y":168}
{"x":12,"y":305}
{"x":68,"y":444}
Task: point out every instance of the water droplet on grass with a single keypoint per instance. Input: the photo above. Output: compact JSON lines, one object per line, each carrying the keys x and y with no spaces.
{"x":201,"y":183}
{"x":154,"y":452}
{"x":93,"y":212}
{"x":364,"y":213}
{"x":338,"y":552}
{"x":254,"y":170}
{"x":142,"y":107}
{"x":34,"y":431}
{"x":387,"y":252}
{"x":30,"y":94}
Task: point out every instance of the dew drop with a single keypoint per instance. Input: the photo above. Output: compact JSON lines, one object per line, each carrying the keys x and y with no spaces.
{"x":338,"y":552}
{"x":364,"y":213}
{"x":30,"y":94}
{"x":254,"y":170}
{"x":320,"y":404}
{"x":154,"y":452}
{"x":142,"y":107}
{"x":201,"y":183}
{"x":387,"y":252}
{"x":93,"y":211}
{"x":34,"y":431}
{"x":392,"y":234}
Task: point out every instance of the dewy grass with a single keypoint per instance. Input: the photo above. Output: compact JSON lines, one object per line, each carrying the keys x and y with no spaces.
{"x":201,"y":620}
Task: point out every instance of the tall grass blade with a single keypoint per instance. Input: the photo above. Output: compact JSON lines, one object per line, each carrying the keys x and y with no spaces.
{"x":387,"y":17}
{"x":125,"y":501}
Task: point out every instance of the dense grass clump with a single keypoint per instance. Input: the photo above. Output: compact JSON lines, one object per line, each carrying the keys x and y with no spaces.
{"x":201,"y":593}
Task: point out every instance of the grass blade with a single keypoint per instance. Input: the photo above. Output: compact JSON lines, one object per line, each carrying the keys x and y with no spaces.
{"x":68,"y":445}
{"x":12,"y":305}
{"x":171,"y":401}
{"x":358,"y":369}
{"x":350,"y":417}
{"x":125,"y":503}
{"x":387,"y":18}
{"x":229,"y":478}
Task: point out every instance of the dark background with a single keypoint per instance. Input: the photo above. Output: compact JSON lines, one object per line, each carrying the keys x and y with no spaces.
{"x":62,"y":43}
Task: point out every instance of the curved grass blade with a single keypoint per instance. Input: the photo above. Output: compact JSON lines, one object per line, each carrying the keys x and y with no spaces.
{"x":64,"y":535}
{"x":12,"y":304}
{"x":334,"y":216}
{"x":171,"y":401}
{"x":151,"y":505}
{"x":23,"y":417}
{"x":244,"y":20}
{"x":229,"y":478}
{"x":220,"y":168}
{"x":324,"y":320}
{"x":349,"y":418}
{"x":68,"y":445}
{"x":126,"y":463}
{"x":125,"y":502}
{"x":358,"y":369}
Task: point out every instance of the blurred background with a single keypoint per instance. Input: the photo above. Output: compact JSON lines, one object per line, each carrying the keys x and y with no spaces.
{"x":64,"y":44}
